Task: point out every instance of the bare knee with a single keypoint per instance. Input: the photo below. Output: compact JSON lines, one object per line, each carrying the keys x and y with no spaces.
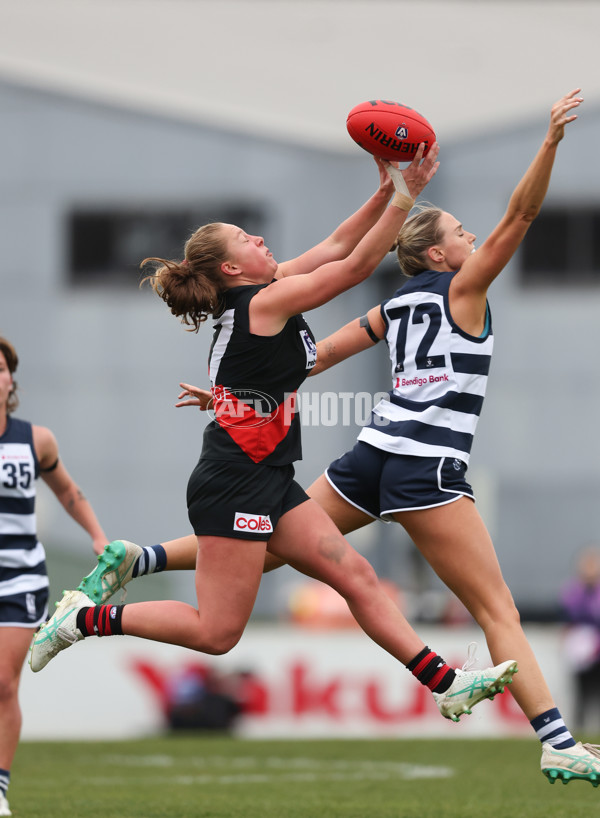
{"x":365,"y":574}
{"x":499,"y":612}
{"x":512,"y":616}
{"x":9,"y":688}
{"x":218,"y":640}
{"x":359,"y":577}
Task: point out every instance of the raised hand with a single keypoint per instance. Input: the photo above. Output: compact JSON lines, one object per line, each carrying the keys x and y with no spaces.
{"x":420,"y":171}
{"x":559,"y":116}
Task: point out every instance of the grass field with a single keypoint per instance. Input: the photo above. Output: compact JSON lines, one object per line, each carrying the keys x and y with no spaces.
{"x":231,"y":778}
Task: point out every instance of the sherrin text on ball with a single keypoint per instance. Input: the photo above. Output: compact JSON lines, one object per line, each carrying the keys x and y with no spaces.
{"x":389,"y":130}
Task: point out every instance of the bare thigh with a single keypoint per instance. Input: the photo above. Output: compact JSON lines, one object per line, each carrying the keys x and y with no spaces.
{"x":308,"y":540}
{"x":346,"y":517}
{"x":14,"y":644}
{"x":228,"y":574}
{"x":455,"y":542}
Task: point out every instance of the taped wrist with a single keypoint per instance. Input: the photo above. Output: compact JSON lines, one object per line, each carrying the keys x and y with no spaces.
{"x":402,"y":198}
{"x":402,"y":201}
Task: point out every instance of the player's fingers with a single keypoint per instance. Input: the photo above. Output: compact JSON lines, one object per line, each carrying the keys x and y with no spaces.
{"x":432,"y":154}
{"x":418,"y":155}
{"x":194,"y":402}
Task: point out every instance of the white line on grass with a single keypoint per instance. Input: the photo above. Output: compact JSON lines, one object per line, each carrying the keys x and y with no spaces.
{"x":281,"y":769}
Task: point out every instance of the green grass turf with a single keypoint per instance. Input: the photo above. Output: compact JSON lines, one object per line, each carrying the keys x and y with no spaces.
{"x":220,"y":777}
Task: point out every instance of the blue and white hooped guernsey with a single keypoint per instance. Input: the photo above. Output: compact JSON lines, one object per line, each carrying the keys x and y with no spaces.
{"x":439,"y":374}
{"x":22,"y":556}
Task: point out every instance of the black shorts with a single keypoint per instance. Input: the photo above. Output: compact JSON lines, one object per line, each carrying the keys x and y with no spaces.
{"x":381,"y":483}
{"x":240,"y":500}
{"x":26,"y":609}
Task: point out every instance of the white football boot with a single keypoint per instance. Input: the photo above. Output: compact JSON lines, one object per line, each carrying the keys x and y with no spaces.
{"x":473,"y":686}
{"x":114,"y":570}
{"x":60,"y":631}
{"x":579,"y":762}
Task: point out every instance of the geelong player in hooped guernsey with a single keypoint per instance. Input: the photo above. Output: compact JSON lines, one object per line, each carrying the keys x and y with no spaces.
{"x":22,"y":556}
{"x":409,"y":464}
{"x":26,"y":453}
{"x":439,"y":374}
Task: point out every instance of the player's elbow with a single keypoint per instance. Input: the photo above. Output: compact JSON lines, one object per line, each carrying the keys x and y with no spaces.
{"x":523,"y":213}
{"x":528,"y":215}
{"x":359,"y":268}
{"x":338,"y":248}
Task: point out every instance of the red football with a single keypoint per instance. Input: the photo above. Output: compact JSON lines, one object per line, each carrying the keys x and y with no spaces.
{"x":389,"y":130}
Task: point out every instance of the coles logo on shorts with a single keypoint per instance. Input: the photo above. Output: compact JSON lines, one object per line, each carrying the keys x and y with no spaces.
{"x":252,"y":522}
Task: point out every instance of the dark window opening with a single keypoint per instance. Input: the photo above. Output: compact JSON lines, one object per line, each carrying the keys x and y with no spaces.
{"x":106,"y":246}
{"x":562,"y":246}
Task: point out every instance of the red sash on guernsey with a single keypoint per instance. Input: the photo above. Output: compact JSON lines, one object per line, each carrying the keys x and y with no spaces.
{"x":256,"y":433}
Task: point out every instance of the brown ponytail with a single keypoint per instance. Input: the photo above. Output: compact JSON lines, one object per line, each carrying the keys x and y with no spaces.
{"x":12,"y":362}
{"x":192,"y":288}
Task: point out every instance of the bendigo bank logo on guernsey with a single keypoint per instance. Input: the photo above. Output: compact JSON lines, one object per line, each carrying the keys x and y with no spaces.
{"x":416,"y":381}
{"x":258,"y":523}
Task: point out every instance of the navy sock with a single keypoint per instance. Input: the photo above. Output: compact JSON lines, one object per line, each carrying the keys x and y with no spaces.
{"x":151,"y":561}
{"x":551,"y":729}
{"x":4,"y":779}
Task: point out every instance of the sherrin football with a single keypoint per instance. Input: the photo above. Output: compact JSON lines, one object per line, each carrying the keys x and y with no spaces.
{"x":389,"y":130}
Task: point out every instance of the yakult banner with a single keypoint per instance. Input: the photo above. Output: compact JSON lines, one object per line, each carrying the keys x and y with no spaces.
{"x":280,"y":681}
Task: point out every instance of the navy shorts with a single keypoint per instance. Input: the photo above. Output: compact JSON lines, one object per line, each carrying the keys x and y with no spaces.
{"x":24,"y":610}
{"x":381,"y":483}
{"x":240,"y":500}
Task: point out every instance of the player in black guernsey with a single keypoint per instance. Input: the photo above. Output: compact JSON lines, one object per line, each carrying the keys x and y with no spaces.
{"x":242,"y":496}
{"x":255,"y":379}
{"x":256,"y":430}
{"x":26,"y":453}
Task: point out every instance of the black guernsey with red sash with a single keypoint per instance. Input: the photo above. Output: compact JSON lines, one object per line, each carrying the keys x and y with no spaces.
{"x":254,"y":382}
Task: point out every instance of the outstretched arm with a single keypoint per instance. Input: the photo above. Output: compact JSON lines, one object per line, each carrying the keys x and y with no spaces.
{"x":360,"y":334}
{"x":470,"y":285}
{"x":347,"y":236}
{"x":344,"y":238}
{"x":354,"y":337}
{"x":67,"y":492}
{"x":271,"y":307}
